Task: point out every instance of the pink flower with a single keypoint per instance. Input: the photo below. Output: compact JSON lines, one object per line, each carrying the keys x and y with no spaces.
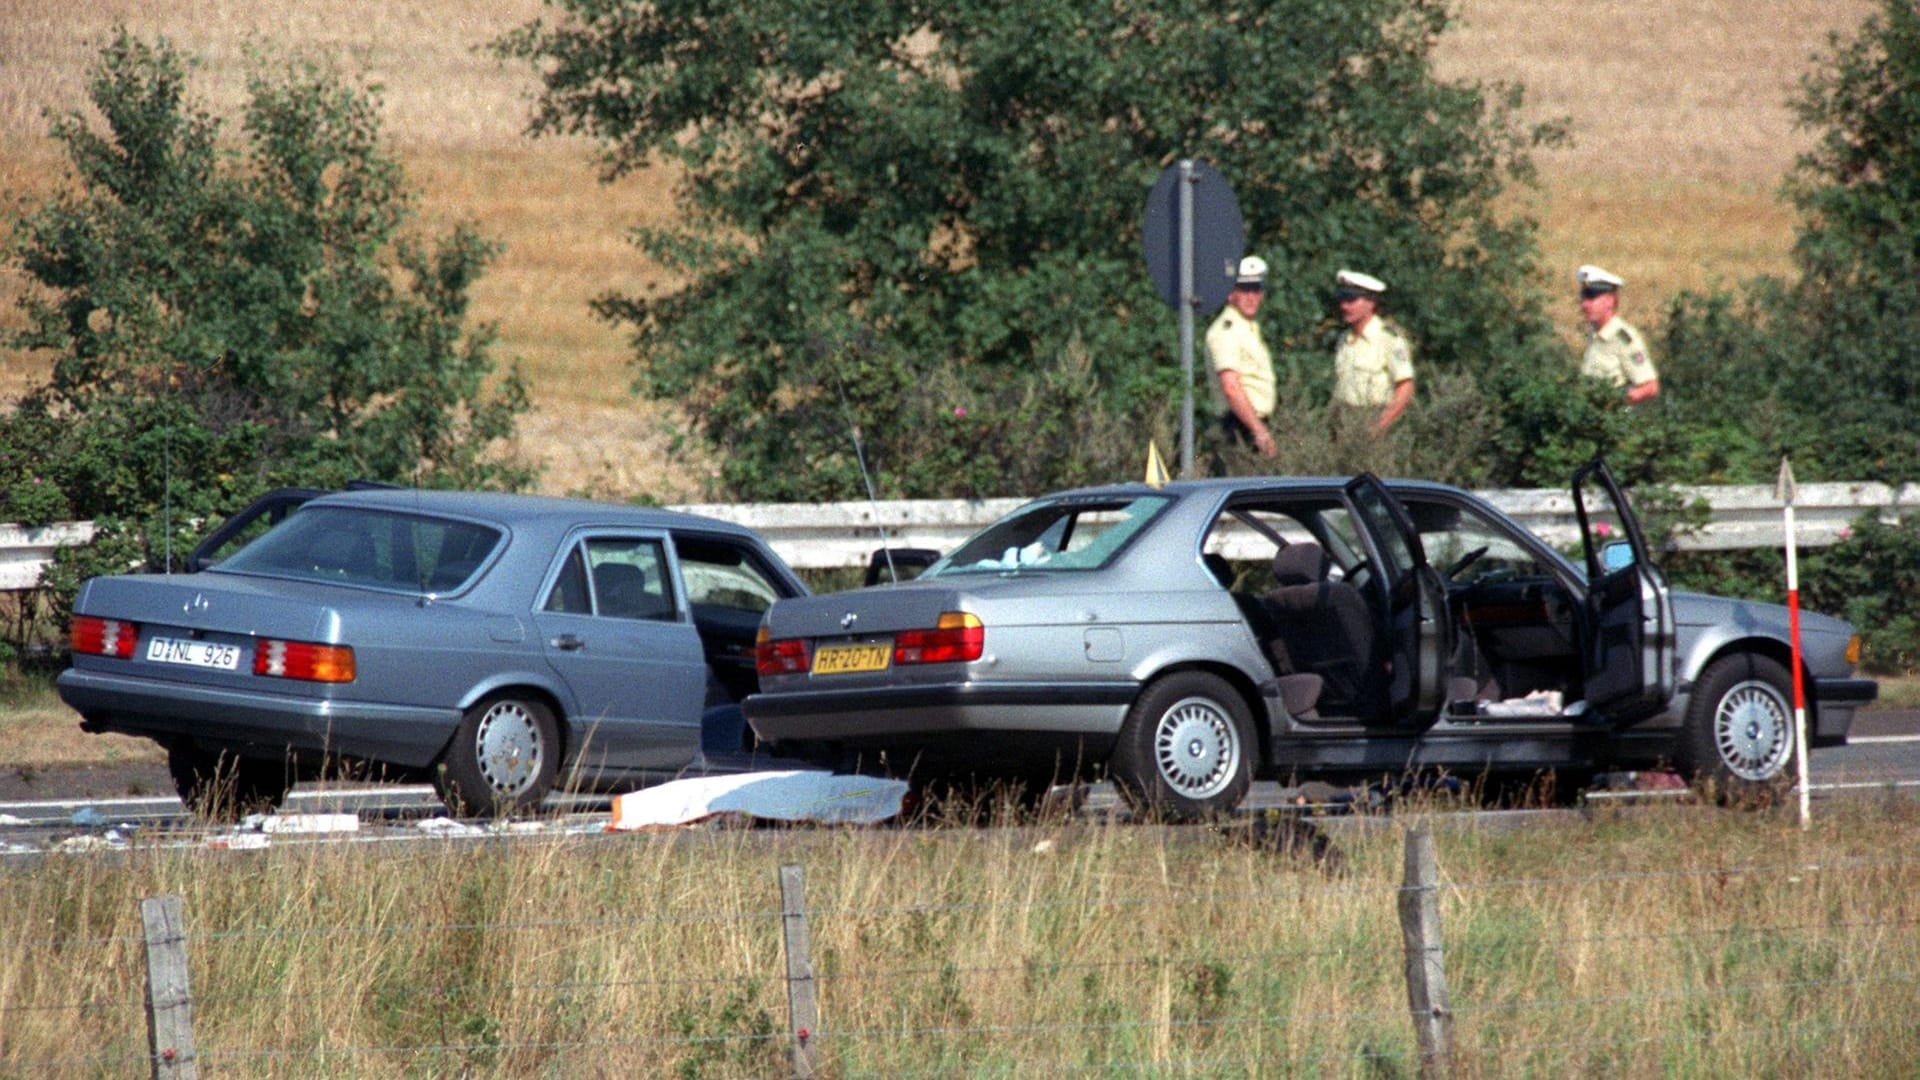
{"x":1846,"y":532}
{"x":960,"y":411}
{"x":1601,"y":528}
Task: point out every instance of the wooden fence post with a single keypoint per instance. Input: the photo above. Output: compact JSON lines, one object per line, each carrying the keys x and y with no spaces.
{"x":1426,"y":968}
{"x":169,"y":1002}
{"x":803,"y":1016}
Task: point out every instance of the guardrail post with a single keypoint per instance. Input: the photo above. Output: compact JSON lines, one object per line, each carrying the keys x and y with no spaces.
{"x":1426,"y":968}
{"x":803,"y":1016}
{"x":169,"y":1002}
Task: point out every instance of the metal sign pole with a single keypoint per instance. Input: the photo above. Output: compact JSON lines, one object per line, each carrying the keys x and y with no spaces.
{"x":1785,"y":490}
{"x":1187,"y":302}
{"x":1192,"y":238}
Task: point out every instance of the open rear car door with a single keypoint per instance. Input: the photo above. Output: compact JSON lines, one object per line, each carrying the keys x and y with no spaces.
{"x":1627,"y":654}
{"x":1419,"y":629}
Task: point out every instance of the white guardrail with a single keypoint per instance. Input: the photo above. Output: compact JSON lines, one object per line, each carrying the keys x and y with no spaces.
{"x":815,"y":536}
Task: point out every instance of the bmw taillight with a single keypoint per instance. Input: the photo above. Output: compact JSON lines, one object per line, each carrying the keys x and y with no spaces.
{"x":307,"y":660}
{"x":102,"y":637}
{"x":958,"y":636}
{"x":788,"y":656}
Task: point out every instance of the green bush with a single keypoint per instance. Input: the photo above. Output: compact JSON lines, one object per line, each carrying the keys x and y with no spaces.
{"x":227,"y":312}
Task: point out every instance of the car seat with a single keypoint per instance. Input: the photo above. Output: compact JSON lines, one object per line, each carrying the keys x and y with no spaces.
{"x":624,"y":593}
{"x":1326,"y":628}
{"x":1297,"y":690}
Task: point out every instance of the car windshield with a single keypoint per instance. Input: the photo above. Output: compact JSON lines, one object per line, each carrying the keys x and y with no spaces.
{"x":376,"y":548}
{"x":1066,"y":534}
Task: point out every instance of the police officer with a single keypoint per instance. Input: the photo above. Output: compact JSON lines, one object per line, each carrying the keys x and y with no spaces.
{"x":1615,"y":350}
{"x":1372,"y":364}
{"x":1243,"y":386}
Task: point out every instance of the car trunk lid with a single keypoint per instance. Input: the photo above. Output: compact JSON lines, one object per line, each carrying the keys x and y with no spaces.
{"x":205,"y":627}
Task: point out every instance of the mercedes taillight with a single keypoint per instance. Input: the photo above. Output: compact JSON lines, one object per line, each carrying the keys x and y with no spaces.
{"x":307,"y":660}
{"x":102,"y":637}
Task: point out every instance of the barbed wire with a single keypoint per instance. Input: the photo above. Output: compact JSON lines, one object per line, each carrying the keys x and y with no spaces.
{"x":1690,"y":993}
{"x":829,"y":911}
{"x":66,"y":1063}
{"x":503,"y":1046}
{"x":1685,"y":872}
{"x":1460,"y":1010}
{"x":124,"y":1001}
{"x":1800,"y":1028}
{"x":365,"y":930}
{"x":448,"y":991}
{"x":1029,"y":1066}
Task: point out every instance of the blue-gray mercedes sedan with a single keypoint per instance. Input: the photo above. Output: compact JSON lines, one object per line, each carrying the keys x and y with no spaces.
{"x":496,"y":644}
{"x":1184,"y":639}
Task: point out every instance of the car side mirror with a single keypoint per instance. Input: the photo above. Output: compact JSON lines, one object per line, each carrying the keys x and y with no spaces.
{"x":1616,"y":556}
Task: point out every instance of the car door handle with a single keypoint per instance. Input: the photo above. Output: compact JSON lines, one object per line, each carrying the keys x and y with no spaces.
{"x":569,"y":642}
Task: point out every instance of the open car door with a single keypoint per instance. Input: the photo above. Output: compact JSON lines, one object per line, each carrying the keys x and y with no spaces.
{"x":1419,"y":630}
{"x":1627,"y":652}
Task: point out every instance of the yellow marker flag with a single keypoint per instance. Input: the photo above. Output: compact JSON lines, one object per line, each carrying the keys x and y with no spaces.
{"x":1156,"y":468}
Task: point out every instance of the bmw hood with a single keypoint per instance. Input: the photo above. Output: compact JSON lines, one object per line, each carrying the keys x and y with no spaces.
{"x":1699,"y":609}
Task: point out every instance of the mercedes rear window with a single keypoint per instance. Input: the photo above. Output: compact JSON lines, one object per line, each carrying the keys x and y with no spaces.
{"x":380,"y":549}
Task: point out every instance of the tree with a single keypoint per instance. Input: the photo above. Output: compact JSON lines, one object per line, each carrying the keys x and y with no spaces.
{"x":226,"y":318}
{"x":1858,"y":249}
{"x":1826,"y":365}
{"x":911,"y":221}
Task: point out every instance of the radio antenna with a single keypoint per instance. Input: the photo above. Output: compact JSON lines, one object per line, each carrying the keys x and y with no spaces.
{"x":866,"y":478}
{"x":822,"y":353}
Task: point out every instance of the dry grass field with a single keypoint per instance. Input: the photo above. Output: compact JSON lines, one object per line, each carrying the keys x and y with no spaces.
{"x":1681,"y":138}
{"x":1673,"y":942}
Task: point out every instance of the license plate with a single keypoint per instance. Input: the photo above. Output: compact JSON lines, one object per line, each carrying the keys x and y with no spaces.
{"x":194,"y":653}
{"x":844,"y":659}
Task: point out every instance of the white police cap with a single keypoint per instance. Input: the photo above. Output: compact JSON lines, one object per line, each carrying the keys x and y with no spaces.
{"x":1354,"y":283}
{"x":1253,"y":271}
{"x":1594,"y":279}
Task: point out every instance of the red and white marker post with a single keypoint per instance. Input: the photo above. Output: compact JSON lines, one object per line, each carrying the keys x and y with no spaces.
{"x":1785,"y":492}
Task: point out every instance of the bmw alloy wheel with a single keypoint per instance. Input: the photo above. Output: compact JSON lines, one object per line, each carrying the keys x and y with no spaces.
{"x":1197,"y":748}
{"x":1753,"y":730}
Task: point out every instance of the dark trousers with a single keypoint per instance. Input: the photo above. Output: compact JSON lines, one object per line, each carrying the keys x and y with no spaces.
{"x":1235,"y":432}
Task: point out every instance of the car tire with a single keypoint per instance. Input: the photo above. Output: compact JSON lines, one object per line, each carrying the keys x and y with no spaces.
{"x":503,"y":757}
{"x":1738,"y":741}
{"x":222,"y":786}
{"x":1186,"y":750}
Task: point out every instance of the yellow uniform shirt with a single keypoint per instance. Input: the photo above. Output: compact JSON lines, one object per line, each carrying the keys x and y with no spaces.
{"x":1369,"y":364}
{"x":1617,"y":353}
{"x":1234,"y":344}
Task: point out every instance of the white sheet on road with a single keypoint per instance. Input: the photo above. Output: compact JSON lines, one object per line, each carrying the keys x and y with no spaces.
{"x":799,"y":795}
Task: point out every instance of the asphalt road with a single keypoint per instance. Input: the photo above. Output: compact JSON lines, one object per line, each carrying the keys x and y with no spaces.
{"x":85,"y":807}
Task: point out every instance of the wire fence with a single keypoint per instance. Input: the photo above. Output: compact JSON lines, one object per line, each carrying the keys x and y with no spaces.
{"x":1777,"y":967}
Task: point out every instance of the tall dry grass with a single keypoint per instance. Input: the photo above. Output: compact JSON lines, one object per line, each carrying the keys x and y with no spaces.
{"x":1681,"y":942}
{"x":1677,"y":112}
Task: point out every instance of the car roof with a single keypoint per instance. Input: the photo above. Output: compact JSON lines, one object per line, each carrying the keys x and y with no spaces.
{"x":1224,"y":484}
{"x":505,"y":508}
